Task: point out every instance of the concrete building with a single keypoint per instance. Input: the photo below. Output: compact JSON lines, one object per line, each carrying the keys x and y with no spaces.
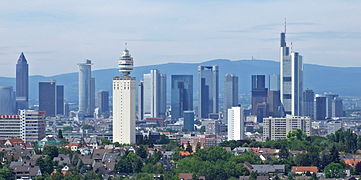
{"x":188,"y":123}
{"x":230,"y":94}
{"x":7,"y":100}
{"x":181,"y":95}
{"x":102,"y":102}
{"x":154,"y":101}
{"x":308,"y":103}
{"x":124,"y":102}
{"x":320,"y":107}
{"x":235,"y":123}
{"x":85,"y":89}
{"x":22,"y":83}
{"x":259,"y":97}
{"x":278,"y":128}
{"x":29,"y":125}
{"x":208,"y":90}
{"x":47,"y":98}
{"x":291,"y":79}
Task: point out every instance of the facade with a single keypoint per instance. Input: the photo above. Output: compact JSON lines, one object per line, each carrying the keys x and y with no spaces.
{"x":85,"y":88}
{"x":278,"y":128}
{"x":188,"y":123}
{"x":59,"y":100}
{"x":259,"y":97}
{"x":181,"y":95}
{"x":141,"y":101}
{"x":7,"y":100}
{"x":329,"y":100}
{"x":235,"y":123}
{"x":337,"y":107}
{"x":208,"y":90}
{"x":102,"y":102}
{"x":92,"y":96}
{"x":230,"y":94}
{"x":29,"y":125}
{"x":274,"y":104}
{"x":22,"y":83}
{"x":163,"y":95}
{"x":124,"y":102}
{"x":274,"y":82}
{"x":154,"y":101}
{"x":291,"y":79}
{"x":47,"y":98}
{"x":320,"y":107}
{"x":308,"y":103}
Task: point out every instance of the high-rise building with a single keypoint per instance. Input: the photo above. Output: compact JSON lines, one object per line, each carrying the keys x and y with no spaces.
{"x":47,"y":98}
{"x":259,"y":97}
{"x":278,"y":128}
{"x":308,"y":103}
{"x":22,"y":83}
{"x":66,"y":109}
{"x":274,"y":104}
{"x":329,"y":99}
{"x":92,"y":96}
{"x":7,"y":100}
{"x":291,"y":79}
{"x":85,"y":89}
{"x":320,"y":107}
{"x":208,"y":90}
{"x":29,"y":125}
{"x":181,"y":95}
{"x":141,"y":101}
{"x":230,"y":94}
{"x":235,"y":123}
{"x":154,"y":84}
{"x":188,"y":123}
{"x":124,"y":102}
{"x":59,"y":100}
{"x":337,"y":107}
{"x":274,"y":82}
{"x":102,"y":102}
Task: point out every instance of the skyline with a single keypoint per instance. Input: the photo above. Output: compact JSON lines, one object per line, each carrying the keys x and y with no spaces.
{"x":172,"y":31}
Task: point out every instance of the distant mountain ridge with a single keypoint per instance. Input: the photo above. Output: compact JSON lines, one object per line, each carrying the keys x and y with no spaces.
{"x":341,"y":80}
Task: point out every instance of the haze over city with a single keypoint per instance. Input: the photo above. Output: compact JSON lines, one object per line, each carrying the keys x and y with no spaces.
{"x":58,"y":34}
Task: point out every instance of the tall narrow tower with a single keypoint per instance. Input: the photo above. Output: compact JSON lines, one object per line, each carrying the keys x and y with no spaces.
{"x":22,"y":83}
{"x":85,"y":87}
{"x":124,"y":102}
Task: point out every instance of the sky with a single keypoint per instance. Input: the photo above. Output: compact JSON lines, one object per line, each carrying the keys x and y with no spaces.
{"x":56,"y":35}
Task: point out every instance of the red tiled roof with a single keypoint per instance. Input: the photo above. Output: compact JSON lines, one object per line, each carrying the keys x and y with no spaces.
{"x":296,"y":169}
{"x":15,"y":140}
{"x":185,"y":153}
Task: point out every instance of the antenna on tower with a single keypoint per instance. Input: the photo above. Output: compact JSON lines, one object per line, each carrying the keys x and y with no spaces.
{"x":126,"y":44}
{"x":291,"y":47}
{"x":285,"y":25}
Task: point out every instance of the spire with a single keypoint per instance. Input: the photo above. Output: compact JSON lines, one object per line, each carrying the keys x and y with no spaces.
{"x":22,"y":59}
{"x":285,"y":25}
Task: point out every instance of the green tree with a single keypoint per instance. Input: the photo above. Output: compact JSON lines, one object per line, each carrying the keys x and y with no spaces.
{"x":51,"y":151}
{"x":189,"y":147}
{"x":5,"y":173}
{"x":253,"y":176}
{"x":60,"y":134}
{"x":141,"y":152}
{"x":358,"y":168}
{"x":129,"y":163}
{"x":284,"y":153}
{"x":297,"y":135}
{"x":334,"y":170}
{"x":153,"y":168}
{"x":335,"y":156}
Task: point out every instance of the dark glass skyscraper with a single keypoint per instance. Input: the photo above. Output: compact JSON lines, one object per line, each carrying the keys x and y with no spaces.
{"x":259,"y":97}
{"x":208,"y":90}
{"x":188,"y":120}
{"x":47,"y":97}
{"x":308,"y":103}
{"x":182,"y":95}
{"x":102,"y":102}
{"x":22,"y":83}
{"x":60,"y":100}
{"x":230,"y":94}
{"x":320,"y":108}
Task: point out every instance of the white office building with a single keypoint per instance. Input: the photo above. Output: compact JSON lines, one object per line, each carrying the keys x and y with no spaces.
{"x":235,"y":123}
{"x":124,"y":102}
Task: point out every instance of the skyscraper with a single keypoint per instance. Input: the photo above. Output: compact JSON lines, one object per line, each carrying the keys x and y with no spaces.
{"x":47,"y":98}
{"x":291,"y":79}
{"x":329,"y":100}
{"x":141,"y":101}
{"x":7,"y":100}
{"x":208,"y":90}
{"x":102,"y":102}
{"x":92,"y":96}
{"x":320,"y":107}
{"x":124,"y":102}
{"x":274,"y":82}
{"x":337,"y":107}
{"x":230,"y":94}
{"x":154,"y":85}
{"x":235,"y":123}
{"x":59,"y":100}
{"x":308,"y":103}
{"x":188,"y":123}
{"x":22,"y":83}
{"x":85,"y":88}
{"x":181,"y":95}
{"x":259,"y":97}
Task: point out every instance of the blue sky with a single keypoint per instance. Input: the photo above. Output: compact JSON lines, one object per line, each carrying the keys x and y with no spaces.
{"x":56,"y":35}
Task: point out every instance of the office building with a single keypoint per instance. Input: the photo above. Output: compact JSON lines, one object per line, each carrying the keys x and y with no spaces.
{"x":188,"y":123}
{"x":308,"y":103}
{"x":86,"y":88}
{"x":92,"y":96}
{"x":154,"y":85}
{"x":47,"y":98}
{"x":29,"y":125}
{"x":259,"y":97}
{"x":140,"y":101}
{"x":22,"y":83}
{"x":230,"y":94}
{"x":278,"y":128}
{"x":337,"y":107}
{"x":7,"y":100}
{"x":291,"y":79}
{"x":329,"y":99}
{"x":208,"y":90}
{"x":274,"y":82}
{"x":181,"y":95}
{"x":124,"y":102}
{"x":274,"y":104}
{"x":59,"y":100}
{"x":320,"y":107}
{"x":102,"y":102}
{"x":235,"y":123}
